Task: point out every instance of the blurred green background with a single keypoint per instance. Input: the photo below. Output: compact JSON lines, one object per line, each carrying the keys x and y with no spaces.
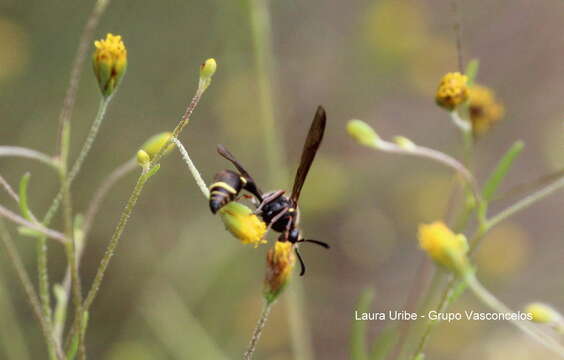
{"x":180,"y":286}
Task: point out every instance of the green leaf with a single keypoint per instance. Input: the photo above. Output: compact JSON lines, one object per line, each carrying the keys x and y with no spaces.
{"x":502,"y":168}
{"x":472,"y":71}
{"x":153,"y":170}
{"x":24,"y":208}
{"x":384,"y":343}
{"x":358,"y":332}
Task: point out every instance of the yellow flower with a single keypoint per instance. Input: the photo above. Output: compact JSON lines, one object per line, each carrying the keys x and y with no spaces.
{"x":110,"y":63}
{"x":154,"y":144}
{"x":280,"y":262}
{"x":446,"y":248}
{"x":484,"y":109}
{"x":240,"y":221}
{"x":452,"y":91}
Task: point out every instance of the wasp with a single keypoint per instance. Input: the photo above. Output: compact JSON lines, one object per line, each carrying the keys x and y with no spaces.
{"x":278,"y":211}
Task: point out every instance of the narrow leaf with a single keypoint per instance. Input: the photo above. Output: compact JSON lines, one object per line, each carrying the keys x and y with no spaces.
{"x":502,"y":168}
{"x":472,"y":71}
{"x":384,"y":343}
{"x":358,"y":332}
{"x":24,"y":208}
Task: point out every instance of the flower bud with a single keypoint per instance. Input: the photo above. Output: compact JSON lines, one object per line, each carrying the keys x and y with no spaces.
{"x":543,"y":314}
{"x":110,"y":63}
{"x":280,"y":262}
{"x":155,"y":143}
{"x":207,"y":69}
{"x":404,"y":143}
{"x":446,"y":248}
{"x":240,"y":221}
{"x":362,"y":132}
{"x":143,"y":158}
{"x":452,"y":91}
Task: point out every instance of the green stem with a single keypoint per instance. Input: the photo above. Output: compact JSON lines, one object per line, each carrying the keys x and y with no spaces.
{"x":491,"y":301}
{"x":261,"y":30}
{"x":31,"y":295}
{"x":248,"y":355}
{"x":66,"y":183}
{"x":526,"y":202}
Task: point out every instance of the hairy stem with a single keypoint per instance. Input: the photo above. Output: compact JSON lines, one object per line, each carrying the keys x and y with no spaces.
{"x":195,"y":173}
{"x":248,"y":355}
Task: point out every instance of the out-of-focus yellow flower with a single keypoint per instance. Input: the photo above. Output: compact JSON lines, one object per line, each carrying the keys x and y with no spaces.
{"x":542,"y":313}
{"x":484,"y":109}
{"x":240,"y":221}
{"x":155,"y":143}
{"x":280,"y":262}
{"x":362,"y":132}
{"x":452,"y":91}
{"x":110,"y":63}
{"x":446,"y":248}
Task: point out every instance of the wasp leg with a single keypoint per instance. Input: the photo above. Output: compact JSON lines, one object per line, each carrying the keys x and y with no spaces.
{"x":320,"y":243}
{"x":275,"y":195}
{"x":275,"y":219}
{"x":302,"y":264}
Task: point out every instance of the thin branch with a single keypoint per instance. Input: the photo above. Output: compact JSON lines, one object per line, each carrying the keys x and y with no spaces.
{"x":31,"y":295}
{"x":526,"y":202}
{"x":4,"y":212}
{"x":195,"y":173}
{"x":79,"y":58}
{"x":248,"y":355}
{"x":9,"y":189}
{"x":18,"y":151}
{"x":435,"y":155}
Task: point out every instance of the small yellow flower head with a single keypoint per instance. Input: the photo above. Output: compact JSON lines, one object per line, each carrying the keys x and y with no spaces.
{"x":280,"y":262}
{"x":446,"y":248}
{"x":452,"y":91}
{"x":542,"y":313}
{"x":143,"y":159}
{"x":207,"y":69}
{"x":155,"y":143}
{"x":484,"y":109}
{"x":110,"y":63}
{"x":240,"y":221}
{"x":362,"y":132}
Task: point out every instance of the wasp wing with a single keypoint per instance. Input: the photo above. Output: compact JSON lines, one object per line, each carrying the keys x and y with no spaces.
{"x":312,"y":143}
{"x":251,"y":185}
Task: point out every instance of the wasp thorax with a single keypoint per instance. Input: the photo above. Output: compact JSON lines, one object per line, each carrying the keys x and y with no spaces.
{"x":226,"y":185}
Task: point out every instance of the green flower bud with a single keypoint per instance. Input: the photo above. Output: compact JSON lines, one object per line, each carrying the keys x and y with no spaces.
{"x":404,"y":143}
{"x":155,"y":143}
{"x":362,"y":132}
{"x":143,"y":158}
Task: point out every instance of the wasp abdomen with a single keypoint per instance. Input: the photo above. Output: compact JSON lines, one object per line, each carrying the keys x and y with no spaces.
{"x":226,"y":186}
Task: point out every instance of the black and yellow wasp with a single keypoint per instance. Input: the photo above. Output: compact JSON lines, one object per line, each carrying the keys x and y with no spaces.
{"x":278,"y":211}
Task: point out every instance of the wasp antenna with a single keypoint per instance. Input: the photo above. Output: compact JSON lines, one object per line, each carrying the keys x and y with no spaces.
{"x":302,"y":264}
{"x":320,"y":243}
